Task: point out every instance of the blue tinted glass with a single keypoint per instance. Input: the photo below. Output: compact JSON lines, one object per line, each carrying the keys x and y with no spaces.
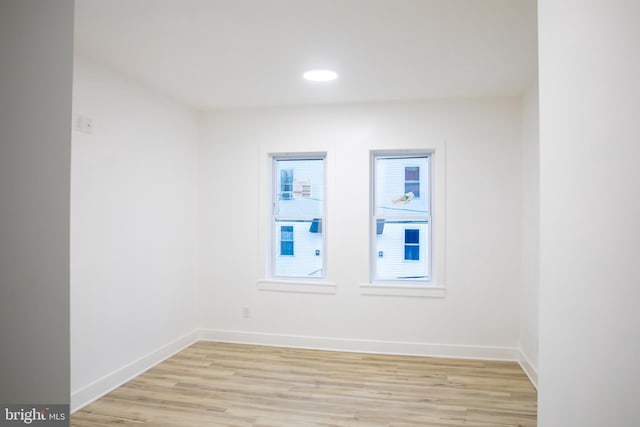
{"x":412,"y":187}
{"x":412,"y":173}
{"x":286,"y":248}
{"x":316,"y":226}
{"x":286,"y":184}
{"x":286,"y":240}
{"x":412,"y":235}
{"x":286,"y":232}
{"x":412,"y":252}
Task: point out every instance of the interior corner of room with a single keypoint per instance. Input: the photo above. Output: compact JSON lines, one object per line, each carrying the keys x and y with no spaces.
{"x":136,"y":191}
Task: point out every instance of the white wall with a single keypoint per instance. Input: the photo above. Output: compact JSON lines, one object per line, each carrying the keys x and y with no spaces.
{"x":133,"y":230}
{"x":590,"y":213}
{"x":530,"y":232}
{"x":482,"y":226}
{"x":36,"y":58}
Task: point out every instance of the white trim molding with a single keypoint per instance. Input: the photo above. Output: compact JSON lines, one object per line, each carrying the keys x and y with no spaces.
{"x":436,"y":284}
{"x":528,"y":368}
{"x":95,"y":390}
{"x":362,"y":346}
{"x":402,"y":290}
{"x":311,"y":287}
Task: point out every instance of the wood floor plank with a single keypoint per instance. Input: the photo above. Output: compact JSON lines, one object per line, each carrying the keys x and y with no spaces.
{"x":219,"y":384}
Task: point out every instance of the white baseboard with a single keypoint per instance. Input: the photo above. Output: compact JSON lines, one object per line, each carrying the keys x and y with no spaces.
{"x":364,"y":346}
{"x":528,"y":368}
{"x":109,"y":382}
{"x":104,"y":385}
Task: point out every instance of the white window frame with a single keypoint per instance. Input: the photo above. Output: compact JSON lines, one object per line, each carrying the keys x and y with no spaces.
{"x":435,"y":285}
{"x":268,"y":281}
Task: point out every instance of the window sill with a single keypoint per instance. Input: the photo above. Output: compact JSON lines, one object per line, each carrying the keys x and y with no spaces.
{"x":298,"y":286}
{"x":401,"y":290}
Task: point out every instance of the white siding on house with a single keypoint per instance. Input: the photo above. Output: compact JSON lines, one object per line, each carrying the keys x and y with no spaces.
{"x":389,"y":251}
{"x":391,"y":184}
{"x":392,"y":264}
{"x":298,"y":209}
{"x":308,"y":170}
{"x":304,"y":262}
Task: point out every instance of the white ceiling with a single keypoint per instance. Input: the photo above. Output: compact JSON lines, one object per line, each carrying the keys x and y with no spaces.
{"x":236,"y":53}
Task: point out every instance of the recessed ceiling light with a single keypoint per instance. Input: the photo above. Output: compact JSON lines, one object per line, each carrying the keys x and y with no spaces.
{"x":320,"y":75}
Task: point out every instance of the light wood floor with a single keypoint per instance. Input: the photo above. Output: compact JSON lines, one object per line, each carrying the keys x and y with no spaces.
{"x":214,"y":384}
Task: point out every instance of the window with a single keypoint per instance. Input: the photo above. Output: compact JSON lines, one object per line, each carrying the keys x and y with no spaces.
{"x":316,"y":226}
{"x":286,"y":184}
{"x":298,"y":216}
{"x":401,"y":217}
{"x":286,"y":240}
{"x":412,"y":180}
{"x":412,"y":244}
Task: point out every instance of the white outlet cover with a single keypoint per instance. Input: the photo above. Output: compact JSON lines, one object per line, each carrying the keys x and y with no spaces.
{"x":84,"y":124}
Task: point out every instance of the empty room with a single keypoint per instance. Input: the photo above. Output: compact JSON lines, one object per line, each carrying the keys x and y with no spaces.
{"x":194,"y":132}
{"x":322,"y":213}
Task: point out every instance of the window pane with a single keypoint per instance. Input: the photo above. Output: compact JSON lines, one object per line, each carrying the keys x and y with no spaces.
{"x":412,"y":173}
{"x":286,"y":184}
{"x":402,"y":213}
{"x":412,"y":235}
{"x":286,"y":248}
{"x":391,"y":186}
{"x":316,"y":226}
{"x":286,"y":240}
{"x":412,"y":187}
{"x":412,"y":252}
{"x":403,"y":257}
{"x":298,"y":210}
{"x":301,"y":187}
{"x":296,"y":249}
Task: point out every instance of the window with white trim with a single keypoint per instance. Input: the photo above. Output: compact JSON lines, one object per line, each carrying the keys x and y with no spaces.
{"x":297,"y":249}
{"x":401,"y":217}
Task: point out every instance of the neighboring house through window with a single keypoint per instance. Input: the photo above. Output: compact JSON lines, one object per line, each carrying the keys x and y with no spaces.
{"x":298,"y":216}
{"x":401,"y":217}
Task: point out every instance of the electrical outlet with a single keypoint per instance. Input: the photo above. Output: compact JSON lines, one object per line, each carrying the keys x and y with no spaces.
{"x":84,"y":124}
{"x":245,"y":312}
